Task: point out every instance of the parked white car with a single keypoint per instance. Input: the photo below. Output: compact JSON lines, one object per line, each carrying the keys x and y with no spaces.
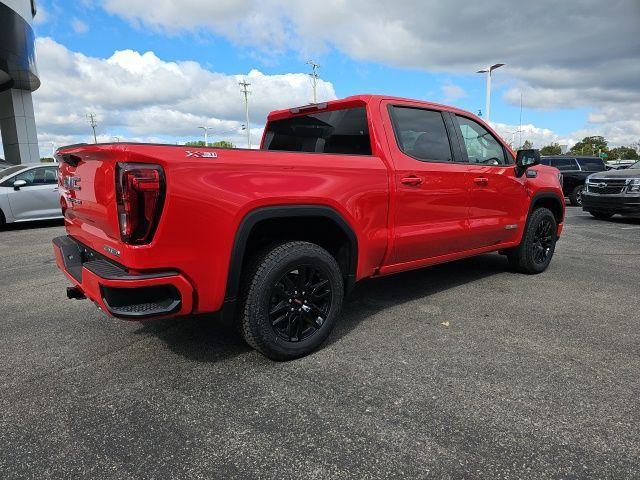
{"x":29,"y":192}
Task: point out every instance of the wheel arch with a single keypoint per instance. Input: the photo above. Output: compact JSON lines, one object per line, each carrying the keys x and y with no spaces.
{"x":548,"y":200}
{"x":263,"y":217}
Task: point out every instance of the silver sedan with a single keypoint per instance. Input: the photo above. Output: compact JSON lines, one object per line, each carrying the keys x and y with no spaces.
{"x":29,"y":192}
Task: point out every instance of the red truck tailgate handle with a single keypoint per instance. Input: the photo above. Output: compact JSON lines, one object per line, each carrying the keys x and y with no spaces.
{"x":411,"y":180}
{"x":481,"y":181}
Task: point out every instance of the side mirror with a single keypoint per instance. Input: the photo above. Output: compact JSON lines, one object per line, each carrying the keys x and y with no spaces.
{"x":18,"y":184}
{"x":525,"y":159}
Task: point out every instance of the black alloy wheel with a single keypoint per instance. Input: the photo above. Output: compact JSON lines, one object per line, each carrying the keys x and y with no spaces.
{"x":543,"y":241}
{"x":538,"y":243}
{"x":300,"y":303}
{"x":291,"y":297}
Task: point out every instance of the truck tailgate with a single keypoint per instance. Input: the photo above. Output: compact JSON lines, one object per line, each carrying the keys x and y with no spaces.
{"x":88,"y":197}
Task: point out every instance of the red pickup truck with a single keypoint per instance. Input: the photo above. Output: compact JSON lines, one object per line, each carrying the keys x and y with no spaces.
{"x":274,"y":238}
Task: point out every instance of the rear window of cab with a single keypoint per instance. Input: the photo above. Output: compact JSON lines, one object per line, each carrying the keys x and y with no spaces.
{"x":343,"y":131}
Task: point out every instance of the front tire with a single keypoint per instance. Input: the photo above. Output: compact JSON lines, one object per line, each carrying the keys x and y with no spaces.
{"x":291,"y":298}
{"x":576,"y":196}
{"x":538,"y":244}
{"x":601,"y":215}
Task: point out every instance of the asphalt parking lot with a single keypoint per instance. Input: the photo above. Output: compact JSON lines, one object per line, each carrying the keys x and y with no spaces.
{"x":532,"y":377}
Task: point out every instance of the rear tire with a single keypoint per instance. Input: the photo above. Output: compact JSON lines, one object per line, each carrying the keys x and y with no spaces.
{"x":576,"y":196}
{"x":3,"y":221}
{"x":601,"y":215}
{"x":538,"y":244}
{"x":291,"y":298}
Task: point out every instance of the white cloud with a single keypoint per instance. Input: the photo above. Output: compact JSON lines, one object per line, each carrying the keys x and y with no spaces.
{"x":579,"y":54}
{"x":79,"y":26}
{"x":539,"y":137}
{"x":451,"y":93}
{"x":138,"y":96}
{"x":42,"y":16}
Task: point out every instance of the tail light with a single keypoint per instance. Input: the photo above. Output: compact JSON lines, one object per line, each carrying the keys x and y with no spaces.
{"x":140,"y":191}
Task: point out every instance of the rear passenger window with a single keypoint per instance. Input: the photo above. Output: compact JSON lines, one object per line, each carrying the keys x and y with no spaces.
{"x":565,"y":164}
{"x":339,"y":131}
{"x":46,"y":176}
{"x":421,"y":134}
{"x":591,"y":164}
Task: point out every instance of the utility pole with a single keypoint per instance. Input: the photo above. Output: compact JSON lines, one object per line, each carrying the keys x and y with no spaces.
{"x":206,"y":129}
{"x":488,"y":70}
{"x":94,"y":124}
{"x":520,"y":127}
{"x":245,"y":91}
{"x":314,"y":78}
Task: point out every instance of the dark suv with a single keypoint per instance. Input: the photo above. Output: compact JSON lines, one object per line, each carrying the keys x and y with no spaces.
{"x":575,"y":171}
{"x":617,"y":191}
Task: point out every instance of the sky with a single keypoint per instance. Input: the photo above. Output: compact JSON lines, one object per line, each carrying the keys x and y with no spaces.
{"x":156,"y":71}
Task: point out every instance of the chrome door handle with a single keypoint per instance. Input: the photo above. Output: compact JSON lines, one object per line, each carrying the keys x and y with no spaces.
{"x":482,"y":181}
{"x":411,"y":180}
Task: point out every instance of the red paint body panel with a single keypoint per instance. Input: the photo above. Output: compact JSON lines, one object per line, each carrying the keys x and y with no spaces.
{"x":397,"y":228}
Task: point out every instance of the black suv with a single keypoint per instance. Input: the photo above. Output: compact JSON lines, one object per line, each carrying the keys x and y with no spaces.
{"x":575,"y":171}
{"x":617,"y":191}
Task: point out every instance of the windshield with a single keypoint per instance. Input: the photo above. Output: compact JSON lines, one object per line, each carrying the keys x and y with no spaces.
{"x":10,"y":170}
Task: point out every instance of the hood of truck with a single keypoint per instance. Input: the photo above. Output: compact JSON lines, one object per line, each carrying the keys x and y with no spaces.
{"x":628,"y":173}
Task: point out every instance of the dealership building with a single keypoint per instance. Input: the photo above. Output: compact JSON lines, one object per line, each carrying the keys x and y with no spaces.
{"x":18,"y":78}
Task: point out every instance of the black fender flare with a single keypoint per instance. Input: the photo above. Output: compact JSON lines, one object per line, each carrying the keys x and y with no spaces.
{"x":260,"y":214}
{"x":546,"y":195}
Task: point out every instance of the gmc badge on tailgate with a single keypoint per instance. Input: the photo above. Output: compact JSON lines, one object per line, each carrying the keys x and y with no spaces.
{"x":71,"y":183}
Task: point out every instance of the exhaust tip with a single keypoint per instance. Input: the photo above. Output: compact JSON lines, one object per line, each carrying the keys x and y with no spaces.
{"x":74,"y":293}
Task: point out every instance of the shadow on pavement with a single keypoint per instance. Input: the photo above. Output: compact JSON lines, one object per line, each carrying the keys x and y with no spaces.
{"x":615,"y":219}
{"x":31,"y":225}
{"x":204,"y":338}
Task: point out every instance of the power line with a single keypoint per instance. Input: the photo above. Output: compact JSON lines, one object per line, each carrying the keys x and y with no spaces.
{"x":94,"y":124}
{"x":314,"y":78}
{"x":245,"y":91}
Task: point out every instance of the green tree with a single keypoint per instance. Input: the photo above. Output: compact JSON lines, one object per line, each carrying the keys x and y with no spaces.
{"x":219,"y":144}
{"x":47,"y":160}
{"x":552,"y":149}
{"x":222,"y":144}
{"x":625,"y":153}
{"x":590,"y":146}
{"x":527,"y":145}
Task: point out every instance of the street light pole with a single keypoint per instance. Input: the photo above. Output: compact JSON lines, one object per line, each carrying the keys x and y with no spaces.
{"x":488,"y":70}
{"x":206,"y":129}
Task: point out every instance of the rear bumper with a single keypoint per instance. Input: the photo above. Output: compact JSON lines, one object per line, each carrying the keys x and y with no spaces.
{"x":119,"y":292}
{"x":624,"y":204}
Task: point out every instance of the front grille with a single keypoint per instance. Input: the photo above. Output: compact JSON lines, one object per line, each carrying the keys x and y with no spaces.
{"x":606,"y":186}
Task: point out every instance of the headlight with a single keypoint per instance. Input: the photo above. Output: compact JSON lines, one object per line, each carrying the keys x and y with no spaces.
{"x":634,"y":185}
